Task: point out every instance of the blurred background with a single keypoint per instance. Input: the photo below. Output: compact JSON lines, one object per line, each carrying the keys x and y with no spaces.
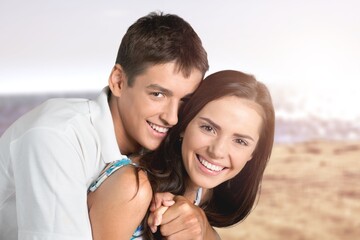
{"x":306,"y":52}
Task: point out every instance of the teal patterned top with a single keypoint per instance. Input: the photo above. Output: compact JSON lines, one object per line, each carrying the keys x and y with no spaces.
{"x":114,"y":166}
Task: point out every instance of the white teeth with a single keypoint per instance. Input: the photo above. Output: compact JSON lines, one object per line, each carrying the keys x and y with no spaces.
{"x":210,"y":166}
{"x":158,"y":128}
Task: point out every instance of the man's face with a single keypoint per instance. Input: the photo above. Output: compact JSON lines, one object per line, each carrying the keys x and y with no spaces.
{"x":144,"y":112}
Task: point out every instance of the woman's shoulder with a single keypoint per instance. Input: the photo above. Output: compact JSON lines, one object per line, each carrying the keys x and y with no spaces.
{"x":134,"y":180}
{"x":124,"y":194}
{"x":128,"y":183}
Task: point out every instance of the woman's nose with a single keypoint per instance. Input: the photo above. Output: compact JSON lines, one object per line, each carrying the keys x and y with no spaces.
{"x":218,"y":148}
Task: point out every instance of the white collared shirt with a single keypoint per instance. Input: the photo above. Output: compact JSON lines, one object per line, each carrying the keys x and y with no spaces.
{"x":48,"y":158}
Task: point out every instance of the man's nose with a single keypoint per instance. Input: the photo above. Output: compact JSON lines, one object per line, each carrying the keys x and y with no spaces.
{"x":170,"y":113}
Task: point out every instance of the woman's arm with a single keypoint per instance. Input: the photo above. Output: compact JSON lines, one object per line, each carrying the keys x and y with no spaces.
{"x":119,"y":205}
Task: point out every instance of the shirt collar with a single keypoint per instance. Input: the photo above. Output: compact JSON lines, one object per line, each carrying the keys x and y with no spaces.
{"x":103,"y":123}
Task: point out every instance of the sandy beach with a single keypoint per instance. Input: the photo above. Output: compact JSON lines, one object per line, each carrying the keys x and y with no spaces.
{"x":310,"y":191}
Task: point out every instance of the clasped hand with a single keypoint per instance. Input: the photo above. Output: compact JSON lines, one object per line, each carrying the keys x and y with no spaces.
{"x":177,"y":218}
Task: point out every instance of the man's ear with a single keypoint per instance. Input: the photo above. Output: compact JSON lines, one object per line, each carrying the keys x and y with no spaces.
{"x":117,"y":80}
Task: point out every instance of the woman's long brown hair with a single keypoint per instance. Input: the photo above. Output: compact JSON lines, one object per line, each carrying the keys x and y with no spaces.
{"x":234,"y":199}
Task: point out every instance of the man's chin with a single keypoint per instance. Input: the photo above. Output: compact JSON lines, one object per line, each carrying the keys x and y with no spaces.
{"x":153,"y":145}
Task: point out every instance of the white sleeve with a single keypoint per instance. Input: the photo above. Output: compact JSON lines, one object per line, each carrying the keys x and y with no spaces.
{"x":51,"y":191}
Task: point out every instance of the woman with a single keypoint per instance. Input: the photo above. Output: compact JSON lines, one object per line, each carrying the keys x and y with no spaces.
{"x":221,"y":146}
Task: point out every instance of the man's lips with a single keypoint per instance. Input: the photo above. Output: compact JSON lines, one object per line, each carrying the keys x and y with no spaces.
{"x":158,"y":128}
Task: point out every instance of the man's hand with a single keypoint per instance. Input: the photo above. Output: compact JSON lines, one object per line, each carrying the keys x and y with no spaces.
{"x":183,"y":220}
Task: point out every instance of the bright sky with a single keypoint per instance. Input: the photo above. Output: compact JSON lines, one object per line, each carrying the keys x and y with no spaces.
{"x":312,"y":45}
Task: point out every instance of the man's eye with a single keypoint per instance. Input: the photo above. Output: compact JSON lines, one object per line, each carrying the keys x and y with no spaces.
{"x":157,"y":94}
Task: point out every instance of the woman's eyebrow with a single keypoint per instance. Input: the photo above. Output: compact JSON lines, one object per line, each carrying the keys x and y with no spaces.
{"x":211,"y":122}
{"x":218,"y":127}
{"x":244,"y":136}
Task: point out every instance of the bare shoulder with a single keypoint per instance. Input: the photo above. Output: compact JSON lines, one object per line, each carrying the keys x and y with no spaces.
{"x":126,"y":194}
{"x":135,"y":182}
{"x":128,"y":184}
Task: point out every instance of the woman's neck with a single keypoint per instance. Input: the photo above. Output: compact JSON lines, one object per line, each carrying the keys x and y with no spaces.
{"x":192,"y":190}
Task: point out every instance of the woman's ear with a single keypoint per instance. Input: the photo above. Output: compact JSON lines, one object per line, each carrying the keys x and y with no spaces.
{"x":181,"y":137}
{"x":117,"y":80}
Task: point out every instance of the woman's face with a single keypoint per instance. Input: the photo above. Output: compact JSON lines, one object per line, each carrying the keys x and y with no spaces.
{"x":219,"y":141}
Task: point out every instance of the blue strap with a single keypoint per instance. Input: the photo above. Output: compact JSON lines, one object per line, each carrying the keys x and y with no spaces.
{"x":113,"y":167}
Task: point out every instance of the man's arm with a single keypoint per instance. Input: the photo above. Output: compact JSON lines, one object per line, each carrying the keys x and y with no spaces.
{"x":50,"y":190}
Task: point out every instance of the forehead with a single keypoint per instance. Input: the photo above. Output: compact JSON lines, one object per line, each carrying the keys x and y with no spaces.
{"x":166,"y":77}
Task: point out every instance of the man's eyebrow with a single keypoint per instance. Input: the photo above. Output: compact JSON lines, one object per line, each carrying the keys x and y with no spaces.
{"x":218,"y":127}
{"x":157,"y":87}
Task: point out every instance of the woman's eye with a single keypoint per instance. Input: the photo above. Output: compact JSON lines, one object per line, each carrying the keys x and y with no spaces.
{"x":242,"y":142}
{"x":208,"y":128}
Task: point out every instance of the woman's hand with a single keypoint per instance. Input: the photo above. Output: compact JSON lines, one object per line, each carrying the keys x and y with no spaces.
{"x":159,"y":205}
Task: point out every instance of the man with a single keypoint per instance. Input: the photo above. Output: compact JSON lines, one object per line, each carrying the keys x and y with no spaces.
{"x":49,"y":157}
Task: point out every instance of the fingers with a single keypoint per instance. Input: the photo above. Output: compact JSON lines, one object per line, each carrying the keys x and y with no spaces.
{"x":159,"y":205}
{"x":162,"y":199}
{"x":155,"y":218}
{"x":183,"y":220}
{"x":168,"y":203}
